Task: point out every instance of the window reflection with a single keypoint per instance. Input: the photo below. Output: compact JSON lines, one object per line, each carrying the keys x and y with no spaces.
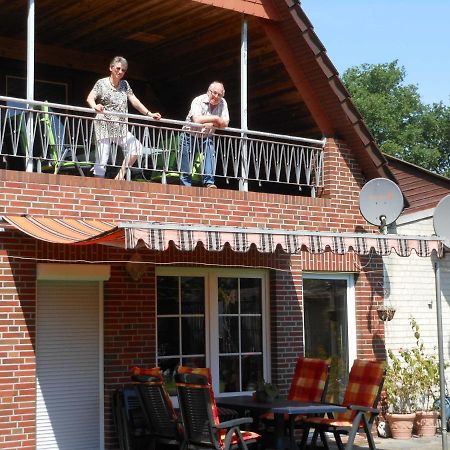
{"x":240,"y":333}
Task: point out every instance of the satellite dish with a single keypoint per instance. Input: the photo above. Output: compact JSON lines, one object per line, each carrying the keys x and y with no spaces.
{"x":381,"y":202}
{"x":441,"y":220}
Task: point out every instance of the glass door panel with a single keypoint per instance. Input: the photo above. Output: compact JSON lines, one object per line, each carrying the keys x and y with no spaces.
{"x":326,"y":328}
{"x":240,"y":333}
{"x":180,"y":324}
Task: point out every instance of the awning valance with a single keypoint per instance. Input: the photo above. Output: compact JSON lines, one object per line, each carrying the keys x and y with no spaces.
{"x":157,"y":236}
{"x":186,"y":238}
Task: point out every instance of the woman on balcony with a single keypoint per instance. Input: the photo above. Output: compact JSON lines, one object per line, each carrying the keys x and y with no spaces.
{"x":112,"y":94}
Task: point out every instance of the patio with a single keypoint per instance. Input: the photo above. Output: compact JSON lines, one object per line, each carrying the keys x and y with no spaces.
{"x":425,"y":443}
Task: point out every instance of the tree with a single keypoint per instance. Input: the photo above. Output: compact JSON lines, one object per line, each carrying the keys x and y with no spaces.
{"x":402,"y":125}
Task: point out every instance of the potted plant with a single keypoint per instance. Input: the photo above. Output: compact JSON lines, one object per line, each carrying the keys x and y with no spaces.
{"x":412,"y":381}
{"x":400,"y":394}
{"x":265,"y":392}
{"x":427,"y":373}
{"x":386,"y":313}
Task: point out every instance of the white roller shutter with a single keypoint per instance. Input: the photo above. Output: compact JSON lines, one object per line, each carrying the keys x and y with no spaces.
{"x":69,"y":413}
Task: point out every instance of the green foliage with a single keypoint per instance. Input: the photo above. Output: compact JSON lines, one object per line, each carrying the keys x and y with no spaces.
{"x":265,"y":391}
{"x":402,"y":125}
{"x":412,"y":377}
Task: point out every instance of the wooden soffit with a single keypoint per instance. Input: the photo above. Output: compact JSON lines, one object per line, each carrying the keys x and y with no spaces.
{"x":257,"y":8}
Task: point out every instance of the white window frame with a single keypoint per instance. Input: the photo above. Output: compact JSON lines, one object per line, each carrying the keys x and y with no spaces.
{"x":211,"y":276}
{"x":351,"y":306}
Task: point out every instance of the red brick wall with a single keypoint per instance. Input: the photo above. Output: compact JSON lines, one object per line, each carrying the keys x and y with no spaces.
{"x":129,"y":306}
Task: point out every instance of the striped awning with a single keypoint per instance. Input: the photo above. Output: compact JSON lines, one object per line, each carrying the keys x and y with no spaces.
{"x":68,"y":230}
{"x":186,"y":238}
{"x":158,"y":236}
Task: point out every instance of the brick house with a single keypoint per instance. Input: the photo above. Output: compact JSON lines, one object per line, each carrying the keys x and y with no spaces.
{"x":99,"y":275}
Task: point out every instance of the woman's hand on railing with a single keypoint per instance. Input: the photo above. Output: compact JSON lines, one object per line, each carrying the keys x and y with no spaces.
{"x":99,"y":107}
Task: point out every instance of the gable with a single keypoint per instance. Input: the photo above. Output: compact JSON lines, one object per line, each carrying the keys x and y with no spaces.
{"x":423,"y":189}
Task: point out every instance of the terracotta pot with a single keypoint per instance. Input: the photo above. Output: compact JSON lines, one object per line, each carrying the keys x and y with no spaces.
{"x":401,"y":425}
{"x":425,"y":423}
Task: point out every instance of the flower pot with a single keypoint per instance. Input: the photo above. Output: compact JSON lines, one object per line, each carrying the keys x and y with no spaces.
{"x":401,"y":425}
{"x":425,"y":423}
{"x":386,"y":313}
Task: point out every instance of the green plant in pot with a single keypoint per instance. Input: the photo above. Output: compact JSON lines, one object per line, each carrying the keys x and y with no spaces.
{"x":265,"y":392}
{"x":401,"y":392}
{"x":412,"y":381}
{"x":427,"y":378}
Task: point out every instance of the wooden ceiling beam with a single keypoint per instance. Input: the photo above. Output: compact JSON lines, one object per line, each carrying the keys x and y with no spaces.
{"x":63,"y":57}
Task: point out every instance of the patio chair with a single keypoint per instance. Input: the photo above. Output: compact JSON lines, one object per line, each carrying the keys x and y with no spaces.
{"x":129,"y":422}
{"x":309,"y":384}
{"x":14,"y":137}
{"x":63,"y":156}
{"x":160,"y":416}
{"x":201,"y":424}
{"x":361,"y":398}
{"x":221,"y":412}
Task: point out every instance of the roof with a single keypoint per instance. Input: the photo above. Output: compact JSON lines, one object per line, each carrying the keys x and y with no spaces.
{"x":422,"y":188}
{"x":175,"y":45}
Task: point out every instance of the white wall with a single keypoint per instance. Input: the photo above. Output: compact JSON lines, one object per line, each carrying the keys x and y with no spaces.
{"x":410,"y":288}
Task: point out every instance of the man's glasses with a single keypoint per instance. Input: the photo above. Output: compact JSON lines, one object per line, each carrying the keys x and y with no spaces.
{"x":215,"y":93}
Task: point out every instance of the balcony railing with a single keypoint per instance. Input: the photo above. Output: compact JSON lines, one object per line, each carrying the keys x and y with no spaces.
{"x":48,"y":137}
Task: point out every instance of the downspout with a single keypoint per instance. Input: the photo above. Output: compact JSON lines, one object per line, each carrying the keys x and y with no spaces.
{"x":437,"y":276}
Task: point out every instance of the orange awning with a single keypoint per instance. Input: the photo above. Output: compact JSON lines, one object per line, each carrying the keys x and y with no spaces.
{"x":185,"y":237}
{"x":68,"y":230}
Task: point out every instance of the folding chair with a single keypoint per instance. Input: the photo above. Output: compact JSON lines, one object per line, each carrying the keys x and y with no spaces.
{"x":160,"y":416}
{"x":165,"y":161}
{"x":221,"y":412}
{"x":202,"y":427}
{"x":14,"y":137}
{"x":309,"y":384}
{"x":63,"y":155}
{"x":361,"y":398}
{"x":129,"y":421}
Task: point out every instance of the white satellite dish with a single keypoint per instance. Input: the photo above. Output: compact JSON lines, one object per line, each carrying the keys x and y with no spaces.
{"x":381,"y":202}
{"x":441,"y":220}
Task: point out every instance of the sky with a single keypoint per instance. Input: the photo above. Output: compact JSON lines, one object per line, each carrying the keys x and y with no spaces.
{"x":416,"y":32}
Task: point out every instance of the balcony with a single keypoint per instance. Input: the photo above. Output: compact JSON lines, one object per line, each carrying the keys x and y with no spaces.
{"x":47,"y":137}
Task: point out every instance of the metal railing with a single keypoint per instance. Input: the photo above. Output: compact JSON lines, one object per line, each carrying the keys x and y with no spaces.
{"x":48,"y":137}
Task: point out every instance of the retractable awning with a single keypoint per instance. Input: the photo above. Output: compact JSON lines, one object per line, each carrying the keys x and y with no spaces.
{"x":157,"y":236}
{"x":60,"y":230}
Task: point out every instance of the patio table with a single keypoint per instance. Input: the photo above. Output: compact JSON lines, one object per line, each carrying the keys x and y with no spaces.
{"x":279,"y":407}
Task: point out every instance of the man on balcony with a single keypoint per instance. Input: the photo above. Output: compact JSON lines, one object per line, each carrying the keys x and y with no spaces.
{"x":210,"y":111}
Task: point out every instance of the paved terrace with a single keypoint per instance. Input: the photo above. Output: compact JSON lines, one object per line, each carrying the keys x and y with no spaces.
{"x":425,"y":443}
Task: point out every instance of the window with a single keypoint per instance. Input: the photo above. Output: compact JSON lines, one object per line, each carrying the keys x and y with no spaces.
{"x":50,"y":91}
{"x":213,"y":318}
